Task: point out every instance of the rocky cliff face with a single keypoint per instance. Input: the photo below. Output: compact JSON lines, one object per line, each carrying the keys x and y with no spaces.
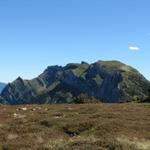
{"x":107,"y":81}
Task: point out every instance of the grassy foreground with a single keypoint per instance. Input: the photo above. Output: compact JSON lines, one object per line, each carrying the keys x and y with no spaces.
{"x":75,"y":127}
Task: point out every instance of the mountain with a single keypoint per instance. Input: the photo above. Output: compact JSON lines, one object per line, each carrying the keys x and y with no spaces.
{"x":106,"y":81}
{"x":2,"y":85}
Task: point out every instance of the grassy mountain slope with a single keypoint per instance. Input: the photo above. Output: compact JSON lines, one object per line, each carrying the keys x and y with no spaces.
{"x":75,"y":127}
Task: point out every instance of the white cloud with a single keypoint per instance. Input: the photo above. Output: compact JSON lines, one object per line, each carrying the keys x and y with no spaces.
{"x":134,"y":48}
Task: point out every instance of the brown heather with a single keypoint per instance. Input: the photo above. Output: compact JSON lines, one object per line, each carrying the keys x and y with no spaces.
{"x":75,"y":127}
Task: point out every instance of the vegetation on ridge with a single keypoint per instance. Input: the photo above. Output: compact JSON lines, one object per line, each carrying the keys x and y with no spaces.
{"x":107,"y":81}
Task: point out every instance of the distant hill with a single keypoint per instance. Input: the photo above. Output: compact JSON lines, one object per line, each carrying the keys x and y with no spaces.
{"x":106,"y":81}
{"x":2,"y":85}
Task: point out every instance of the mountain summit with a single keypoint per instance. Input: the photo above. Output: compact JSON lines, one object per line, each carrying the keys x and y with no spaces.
{"x":106,"y":81}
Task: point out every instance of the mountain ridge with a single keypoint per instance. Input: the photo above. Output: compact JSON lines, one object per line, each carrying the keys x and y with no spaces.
{"x":106,"y":81}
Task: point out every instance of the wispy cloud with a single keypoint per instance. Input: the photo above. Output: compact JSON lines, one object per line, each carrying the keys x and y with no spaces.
{"x":134,"y":48}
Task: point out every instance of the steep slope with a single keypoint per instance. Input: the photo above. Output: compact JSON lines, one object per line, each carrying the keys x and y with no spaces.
{"x":107,"y":81}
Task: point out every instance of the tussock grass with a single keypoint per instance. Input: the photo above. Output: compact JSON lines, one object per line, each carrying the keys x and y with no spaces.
{"x":75,"y":127}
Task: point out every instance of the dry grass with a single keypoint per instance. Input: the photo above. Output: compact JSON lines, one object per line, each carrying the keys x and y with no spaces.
{"x":75,"y":127}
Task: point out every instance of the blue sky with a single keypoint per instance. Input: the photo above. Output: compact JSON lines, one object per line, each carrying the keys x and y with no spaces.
{"x":35,"y":34}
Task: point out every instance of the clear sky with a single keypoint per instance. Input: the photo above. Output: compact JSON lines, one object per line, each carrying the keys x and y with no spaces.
{"x":35,"y":34}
